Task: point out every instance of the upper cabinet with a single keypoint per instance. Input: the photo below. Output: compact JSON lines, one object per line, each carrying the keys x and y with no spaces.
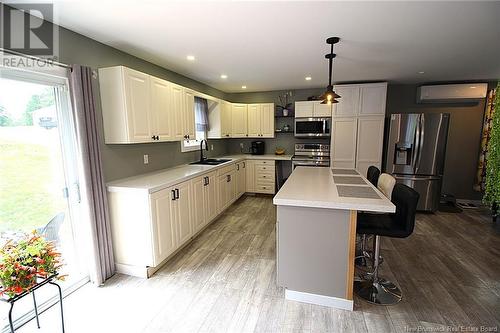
{"x":312,"y":109}
{"x":140,"y":108}
{"x":239,"y":121}
{"x":261,"y":120}
{"x":361,"y":99}
{"x":226,"y":121}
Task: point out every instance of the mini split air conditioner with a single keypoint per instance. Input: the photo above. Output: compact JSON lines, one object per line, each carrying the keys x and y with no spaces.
{"x":451,"y":93}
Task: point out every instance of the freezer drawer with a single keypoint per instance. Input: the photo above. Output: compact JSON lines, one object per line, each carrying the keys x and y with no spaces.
{"x":429,"y":188}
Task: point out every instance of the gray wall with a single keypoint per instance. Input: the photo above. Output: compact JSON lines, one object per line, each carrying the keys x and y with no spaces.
{"x":127,"y":160}
{"x":463,"y":137}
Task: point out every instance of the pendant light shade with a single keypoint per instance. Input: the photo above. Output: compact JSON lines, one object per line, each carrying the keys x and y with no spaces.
{"x":330,"y":97}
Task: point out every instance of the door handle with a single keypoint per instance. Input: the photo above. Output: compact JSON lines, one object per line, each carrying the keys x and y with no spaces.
{"x":420,"y":142}
{"x":177,"y":193}
{"x":173,"y":195}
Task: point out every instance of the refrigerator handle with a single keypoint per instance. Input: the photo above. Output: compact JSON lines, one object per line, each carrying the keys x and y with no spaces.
{"x":420,"y":141}
{"x":416,"y":146}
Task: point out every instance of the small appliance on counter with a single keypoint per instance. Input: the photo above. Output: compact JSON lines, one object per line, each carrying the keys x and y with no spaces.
{"x":258,"y":148}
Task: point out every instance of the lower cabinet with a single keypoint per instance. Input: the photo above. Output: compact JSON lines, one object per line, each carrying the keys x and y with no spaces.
{"x":260,"y":176}
{"x":204,"y":206}
{"x":227,"y":189}
{"x":241,"y":178}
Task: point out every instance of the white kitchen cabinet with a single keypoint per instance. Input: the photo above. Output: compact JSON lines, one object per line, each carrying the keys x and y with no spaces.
{"x":227,"y":189}
{"x":189,"y":118}
{"x":181,"y":212}
{"x":254,"y":120}
{"x":178,"y":102}
{"x":161,"y":112}
{"x":261,"y":120}
{"x":304,"y":109}
{"x":239,"y":121}
{"x":265,"y":178}
{"x":312,"y":109}
{"x":372,"y":99}
{"x":348,"y":102}
{"x":204,"y":200}
{"x":370,"y":139}
{"x":165,"y":240}
{"x":343,"y":142}
{"x":241,"y":183}
{"x":226,"y":119}
{"x":250,"y":176}
{"x":125,"y":98}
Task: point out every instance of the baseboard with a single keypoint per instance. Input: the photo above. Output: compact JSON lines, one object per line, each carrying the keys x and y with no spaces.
{"x":138,"y":271}
{"x":333,"y":302}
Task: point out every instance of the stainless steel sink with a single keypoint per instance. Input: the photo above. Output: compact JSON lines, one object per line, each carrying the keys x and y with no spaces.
{"x":212,"y":161}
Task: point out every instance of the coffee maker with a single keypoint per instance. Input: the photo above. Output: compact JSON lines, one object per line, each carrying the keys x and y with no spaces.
{"x":258,"y":148}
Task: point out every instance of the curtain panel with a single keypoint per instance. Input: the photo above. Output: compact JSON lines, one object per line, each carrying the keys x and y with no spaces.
{"x":84,"y":111}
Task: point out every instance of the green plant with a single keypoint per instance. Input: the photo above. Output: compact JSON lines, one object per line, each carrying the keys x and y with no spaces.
{"x":22,"y":262}
{"x":492,"y":191}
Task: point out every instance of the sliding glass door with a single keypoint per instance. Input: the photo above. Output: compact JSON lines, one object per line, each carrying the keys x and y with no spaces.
{"x":39,"y":183}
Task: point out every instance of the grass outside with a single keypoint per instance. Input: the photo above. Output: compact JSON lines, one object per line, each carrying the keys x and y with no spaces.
{"x":29,"y":194}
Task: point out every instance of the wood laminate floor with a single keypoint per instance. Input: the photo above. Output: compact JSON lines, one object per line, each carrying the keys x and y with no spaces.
{"x":225,"y":281}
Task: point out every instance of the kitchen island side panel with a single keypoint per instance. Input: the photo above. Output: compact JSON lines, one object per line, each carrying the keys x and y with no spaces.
{"x":313,"y":250}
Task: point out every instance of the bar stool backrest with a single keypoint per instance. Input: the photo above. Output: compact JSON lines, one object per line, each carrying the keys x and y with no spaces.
{"x":372,"y":175}
{"x":386,"y":184}
{"x":405,"y":199}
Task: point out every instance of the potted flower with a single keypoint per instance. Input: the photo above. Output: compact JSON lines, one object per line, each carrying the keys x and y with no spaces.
{"x":285,"y":103}
{"x":23,"y":261}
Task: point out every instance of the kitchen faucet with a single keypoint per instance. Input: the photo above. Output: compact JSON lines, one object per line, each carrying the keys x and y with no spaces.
{"x":201,"y":149}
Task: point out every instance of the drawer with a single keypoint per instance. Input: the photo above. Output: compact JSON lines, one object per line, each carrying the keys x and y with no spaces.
{"x":265,"y":177}
{"x":226,"y":169}
{"x":264,"y":162}
{"x":265,"y":189}
{"x":264,"y":168}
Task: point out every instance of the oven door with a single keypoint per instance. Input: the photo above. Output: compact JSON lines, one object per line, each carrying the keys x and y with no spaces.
{"x":310,"y":162}
{"x":312,"y":127}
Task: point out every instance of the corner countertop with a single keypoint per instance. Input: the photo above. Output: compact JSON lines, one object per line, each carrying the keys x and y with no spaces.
{"x":161,"y":179}
{"x":319,"y":188}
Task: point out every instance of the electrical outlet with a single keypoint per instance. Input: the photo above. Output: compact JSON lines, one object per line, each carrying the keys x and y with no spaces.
{"x":146,"y":159}
{"x":211,"y":147}
{"x":241,"y":145}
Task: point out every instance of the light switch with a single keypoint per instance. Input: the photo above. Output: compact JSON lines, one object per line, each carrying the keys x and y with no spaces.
{"x":146,"y":159}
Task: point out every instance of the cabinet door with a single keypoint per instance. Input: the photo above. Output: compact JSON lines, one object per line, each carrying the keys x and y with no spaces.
{"x":189,"y":120}
{"x":183,"y":212}
{"x":177,"y":102}
{"x":322,"y":110}
{"x":199,"y":209}
{"x":211,"y":197}
{"x":239,"y":121}
{"x":304,"y":109}
{"x":267,"y":120}
{"x":348,"y":104}
{"x":250,"y":176}
{"x":222,"y":193}
{"x":232,"y":191}
{"x":240,"y":178}
{"x":164,"y":239}
{"x":226,"y":119}
{"x":254,"y":117}
{"x":373,"y":98}
{"x":161,"y":114}
{"x":138,"y":105}
{"x":343,"y":142}
{"x":370,"y":143}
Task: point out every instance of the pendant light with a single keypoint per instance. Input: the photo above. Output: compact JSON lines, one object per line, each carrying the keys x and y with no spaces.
{"x":330,"y":96}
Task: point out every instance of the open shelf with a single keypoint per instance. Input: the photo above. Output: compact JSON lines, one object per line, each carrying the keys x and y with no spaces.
{"x":291,"y":132}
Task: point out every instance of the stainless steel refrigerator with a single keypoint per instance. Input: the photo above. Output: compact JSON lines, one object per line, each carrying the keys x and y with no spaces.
{"x":415,"y":154}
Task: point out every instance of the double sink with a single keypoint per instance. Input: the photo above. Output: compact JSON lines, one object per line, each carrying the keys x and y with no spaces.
{"x":211,"y":161}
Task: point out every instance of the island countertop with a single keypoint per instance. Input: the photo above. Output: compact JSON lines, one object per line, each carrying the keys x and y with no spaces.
{"x":331,"y":188}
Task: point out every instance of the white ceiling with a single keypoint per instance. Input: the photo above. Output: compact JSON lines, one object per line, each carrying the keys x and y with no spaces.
{"x":274,"y":45}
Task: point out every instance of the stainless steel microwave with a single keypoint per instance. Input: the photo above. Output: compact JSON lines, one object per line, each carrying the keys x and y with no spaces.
{"x":312,"y":127}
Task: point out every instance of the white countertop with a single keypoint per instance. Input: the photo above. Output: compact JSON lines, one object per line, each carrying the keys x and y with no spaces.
{"x":316,"y":188}
{"x":161,"y":179}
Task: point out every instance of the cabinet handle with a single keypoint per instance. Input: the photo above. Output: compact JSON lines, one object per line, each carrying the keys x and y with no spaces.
{"x":177,"y":193}
{"x":228,"y":178}
{"x":244,"y":166}
{"x":173,"y":195}
{"x":208,"y":180}
{"x":153,"y":137}
{"x":237,"y":167}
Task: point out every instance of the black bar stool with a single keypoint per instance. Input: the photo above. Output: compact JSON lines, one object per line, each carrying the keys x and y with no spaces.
{"x":372,"y":175}
{"x":398,"y":225}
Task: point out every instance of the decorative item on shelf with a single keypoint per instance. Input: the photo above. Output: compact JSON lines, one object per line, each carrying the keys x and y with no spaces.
{"x":286,"y":128}
{"x":24,"y":261}
{"x":285,"y":104}
{"x":279,"y":151}
{"x":330,"y":96}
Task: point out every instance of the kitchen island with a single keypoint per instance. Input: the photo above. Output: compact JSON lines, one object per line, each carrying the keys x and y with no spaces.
{"x":316,"y":233}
